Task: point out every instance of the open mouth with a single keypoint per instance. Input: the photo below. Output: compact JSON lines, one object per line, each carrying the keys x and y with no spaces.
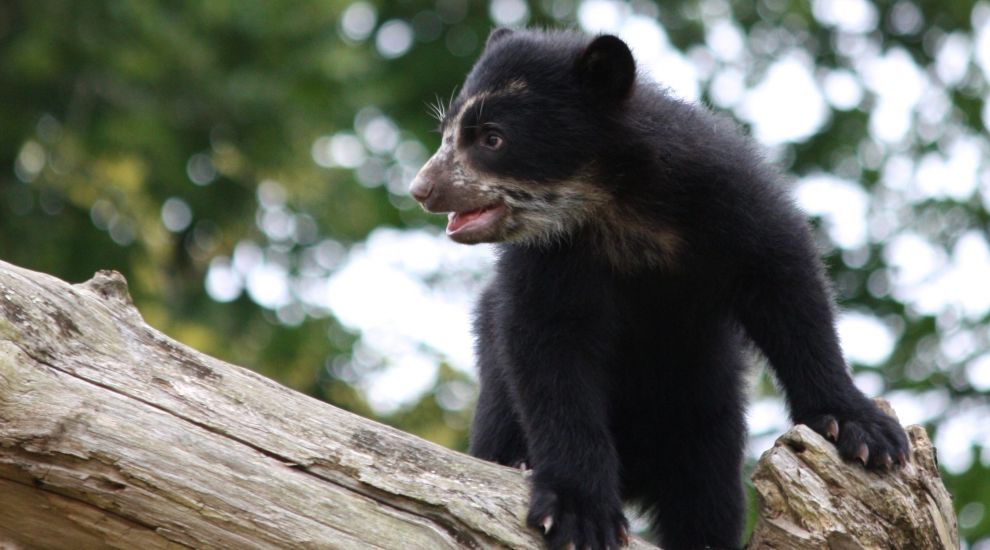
{"x":474,"y":225}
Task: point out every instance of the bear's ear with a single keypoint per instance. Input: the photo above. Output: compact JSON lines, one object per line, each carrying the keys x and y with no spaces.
{"x":496,"y":35}
{"x":606,"y":68}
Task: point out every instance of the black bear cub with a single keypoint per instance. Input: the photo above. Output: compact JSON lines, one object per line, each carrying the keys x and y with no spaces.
{"x":643,"y":244}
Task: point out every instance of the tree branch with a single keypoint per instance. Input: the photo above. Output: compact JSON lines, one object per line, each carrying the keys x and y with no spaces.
{"x":113,"y":435}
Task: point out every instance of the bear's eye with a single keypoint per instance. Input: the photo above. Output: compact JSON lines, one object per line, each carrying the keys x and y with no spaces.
{"x":493,"y":141}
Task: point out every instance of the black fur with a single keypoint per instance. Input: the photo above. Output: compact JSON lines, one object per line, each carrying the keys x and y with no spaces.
{"x":611,"y":356}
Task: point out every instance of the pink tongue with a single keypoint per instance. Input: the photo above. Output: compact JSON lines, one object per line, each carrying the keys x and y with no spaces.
{"x":457,"y":220}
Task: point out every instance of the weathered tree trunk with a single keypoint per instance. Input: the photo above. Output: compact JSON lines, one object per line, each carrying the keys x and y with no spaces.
{"x":112,"y":435}
{"x":810,"y":498}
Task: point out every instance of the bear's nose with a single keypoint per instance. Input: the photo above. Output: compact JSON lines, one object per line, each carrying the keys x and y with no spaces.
{"x":420,"y":189}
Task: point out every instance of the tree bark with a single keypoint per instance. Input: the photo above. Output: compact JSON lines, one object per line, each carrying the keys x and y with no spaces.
{"x":811,"y":498}
{"x":113,"y":435}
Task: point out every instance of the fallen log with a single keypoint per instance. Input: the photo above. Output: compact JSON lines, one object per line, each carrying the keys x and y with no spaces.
{"x":113,"y":435}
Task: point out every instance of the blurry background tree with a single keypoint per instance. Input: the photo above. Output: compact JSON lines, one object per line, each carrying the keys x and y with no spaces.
{"x":244,"y":164}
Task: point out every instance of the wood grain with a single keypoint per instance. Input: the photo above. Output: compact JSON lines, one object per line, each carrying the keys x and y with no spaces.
{"x":113,"y":435}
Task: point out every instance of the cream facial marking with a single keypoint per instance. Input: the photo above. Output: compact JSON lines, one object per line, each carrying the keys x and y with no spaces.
{"x":448,"y":154}
{"x":455,"y":126}
{"x":516,"y":86}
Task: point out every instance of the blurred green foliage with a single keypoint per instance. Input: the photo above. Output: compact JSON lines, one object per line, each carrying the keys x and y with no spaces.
{"x":108,"y":109}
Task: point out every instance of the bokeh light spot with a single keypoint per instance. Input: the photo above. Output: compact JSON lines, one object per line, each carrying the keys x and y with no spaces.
{"x":200,"y":169}
{"x":176,"y":214}
{"x":358,"y":21}
{"x":223,"y":283}
{"x":394,"y":38}
{"x":508,"y":13}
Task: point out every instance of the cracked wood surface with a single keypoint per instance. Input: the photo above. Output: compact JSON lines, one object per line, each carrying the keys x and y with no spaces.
{"x":113,"y":435}
{"x":810,"y":498}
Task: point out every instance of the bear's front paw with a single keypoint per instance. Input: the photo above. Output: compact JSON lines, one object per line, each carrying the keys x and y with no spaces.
{"x":867,"y":434}
{"x":575,"y":520}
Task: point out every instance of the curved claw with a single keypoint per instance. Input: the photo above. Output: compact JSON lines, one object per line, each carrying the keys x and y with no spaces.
{"x":547,"y":524}
{"x":887,"y":462}
{"x":863,"y":455}
{"x":832,"y":430}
